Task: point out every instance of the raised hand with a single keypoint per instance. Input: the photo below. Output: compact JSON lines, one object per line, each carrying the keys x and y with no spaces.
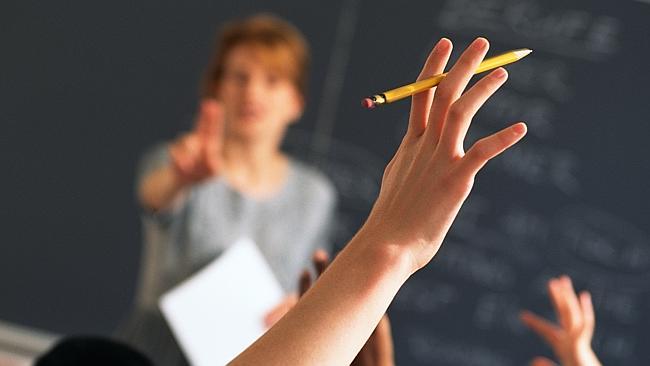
{"x":431,"y":175}
{"x":378,"y":350}
{"x":570,"y":339}
{"x":196,"y":155}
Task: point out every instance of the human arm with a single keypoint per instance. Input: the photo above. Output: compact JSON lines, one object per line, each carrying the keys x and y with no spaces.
{"x":422,"y":190}
{"x":378,"y":349}
{"x":194,"y":156}
{"x":278,"y":311}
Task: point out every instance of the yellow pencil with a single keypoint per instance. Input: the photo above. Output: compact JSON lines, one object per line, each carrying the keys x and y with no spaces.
{"x":422,"y":85}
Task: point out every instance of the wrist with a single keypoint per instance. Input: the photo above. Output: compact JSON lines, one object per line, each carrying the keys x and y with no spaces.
{"x":585,"y":356}
{"x":177,"y":180}
{"x":371,"y":248}
{"x":581,"y":354}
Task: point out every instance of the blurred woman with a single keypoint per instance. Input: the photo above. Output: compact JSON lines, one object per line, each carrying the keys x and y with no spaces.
{"x":228,"y":178}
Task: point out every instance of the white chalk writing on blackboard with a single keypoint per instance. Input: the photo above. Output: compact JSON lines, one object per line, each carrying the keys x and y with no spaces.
{"x":566,"y":32}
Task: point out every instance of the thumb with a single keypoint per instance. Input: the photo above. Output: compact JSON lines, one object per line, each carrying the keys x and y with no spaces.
{"x":545,"y":329}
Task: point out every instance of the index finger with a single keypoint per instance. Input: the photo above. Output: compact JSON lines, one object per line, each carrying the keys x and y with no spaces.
{"x":208,"y":124}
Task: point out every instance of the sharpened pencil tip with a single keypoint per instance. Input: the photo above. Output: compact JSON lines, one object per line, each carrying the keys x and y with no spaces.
{"x":522,"y":52}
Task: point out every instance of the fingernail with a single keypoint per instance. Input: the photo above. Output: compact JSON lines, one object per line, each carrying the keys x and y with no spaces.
{"x":520,"y":128}
{"x":443,"y":44}
{"x":480,"y":44}
{"x":500,"y":73}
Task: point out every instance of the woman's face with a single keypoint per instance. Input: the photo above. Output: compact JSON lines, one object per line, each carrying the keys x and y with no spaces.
{"x":258,"y":102}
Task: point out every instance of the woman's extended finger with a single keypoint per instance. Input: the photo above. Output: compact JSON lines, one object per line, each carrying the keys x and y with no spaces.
{"x":210,"y":121}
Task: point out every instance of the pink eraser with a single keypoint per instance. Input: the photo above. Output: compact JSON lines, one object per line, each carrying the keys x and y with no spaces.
{"x":368,"y":103}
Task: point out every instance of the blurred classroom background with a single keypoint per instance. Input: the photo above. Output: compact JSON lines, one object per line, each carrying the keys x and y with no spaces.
{"x":87,"y":87}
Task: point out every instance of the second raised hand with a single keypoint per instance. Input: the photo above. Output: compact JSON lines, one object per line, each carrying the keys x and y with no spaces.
{"x":571,"y":337}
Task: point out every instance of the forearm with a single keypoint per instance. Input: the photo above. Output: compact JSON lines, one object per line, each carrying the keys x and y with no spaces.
{"x":331,"y":323}
{"x":160,"y":189}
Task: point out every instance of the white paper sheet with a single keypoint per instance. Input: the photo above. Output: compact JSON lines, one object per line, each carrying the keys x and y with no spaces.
{"x":219,"y":311}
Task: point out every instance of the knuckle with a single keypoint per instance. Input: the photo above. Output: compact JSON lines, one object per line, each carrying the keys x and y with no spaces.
{"x":387,"y":171}
{"x":443,"y":94}
{"x":458,"y":183}
{"x":465,"y":62}
{"x":458,"y":112}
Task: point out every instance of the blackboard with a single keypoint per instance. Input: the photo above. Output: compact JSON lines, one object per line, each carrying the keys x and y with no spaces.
{"x":570,"y":199}
{"x":86,"y":88}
